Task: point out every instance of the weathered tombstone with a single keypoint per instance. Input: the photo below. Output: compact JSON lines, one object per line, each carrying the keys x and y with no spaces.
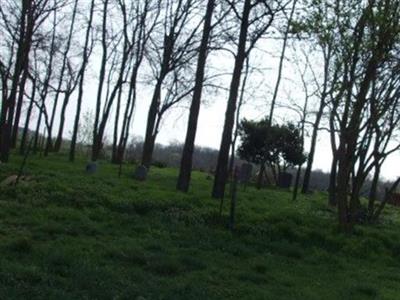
{"x":285,"y":180}
{"x":91,"y":167}
{"x":140,"y":173}
{"x":245,"y":173}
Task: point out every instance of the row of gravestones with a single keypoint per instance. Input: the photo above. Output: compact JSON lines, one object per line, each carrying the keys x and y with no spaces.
{"x":245,"y":174}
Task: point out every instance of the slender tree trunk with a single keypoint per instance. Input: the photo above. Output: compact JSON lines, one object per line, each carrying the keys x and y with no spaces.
{"x":49,"y":141}
{"x":322,"y":104}
{"x":373,"y":192}
{"x":310,"y":158}
{"x":296,"y":183}
{"x":22,"y":60}
{"x":332,"y":182}
{"x":114,"y":158}
{"x":24,"y":137}
{"x":97,"y":140}
{"x":237,"y":118}
{"x":37,"y":130}
{"x":46,"y":84}
{"x":81,"y":81}
{"x":188,"y":148}
{"x":342,"y":188}
{"x":281,"y":60}
{"x":149,"y":141}
{"x":20,"y":102}
{"x":127,"y":116}
{"x":59,"y":139}
{"x":223,"y":155}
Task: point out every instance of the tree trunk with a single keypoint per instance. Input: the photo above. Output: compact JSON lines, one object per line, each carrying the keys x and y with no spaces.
{"x":115,"y":156}
{"x":81,"y":81}
{"x":223,"y":155}
{"x":310,"y":159}
{"x":59,"y":139}
{"x":281,"y":60}
{"x":296,"y":183}
{"x":37,"y":131}
{"x":97,"y":139}
{"x":188,"y":148}
{"x":49,"y":141}
{"x":127,"y":116}
{"x":332,"y":182}
{"x":20,"y":102}
{"x":27,"y":119}
{"x":22,"y":59}
{"x":148,"y":145}
{"x":342,"y":188}
{"x":373,"y":193}
{"x":237,"y":118}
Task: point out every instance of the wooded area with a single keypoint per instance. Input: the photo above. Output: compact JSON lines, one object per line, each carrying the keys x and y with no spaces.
{"x":347,"y":54}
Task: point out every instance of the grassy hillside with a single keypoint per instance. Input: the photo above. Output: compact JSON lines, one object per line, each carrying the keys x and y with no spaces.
{"x":69,"y":235}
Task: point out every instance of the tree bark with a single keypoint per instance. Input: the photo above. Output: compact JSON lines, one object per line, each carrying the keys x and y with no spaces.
{"x":81,"y":81}
{"x":188,"y":148}
{"x":22,"y":60}
{"x":20,"y":102}
{"x":332,"y":182}
{"x":223,"y":155}
{"x":59,"y":139}
{"x":280,"y":67}
{"x":310,"y":158}
{"x":49,"y":142}
{"x":24,"y":137}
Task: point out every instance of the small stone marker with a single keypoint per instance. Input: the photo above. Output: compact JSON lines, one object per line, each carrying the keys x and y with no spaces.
{"x":245,"y":173}
{"x":91,"y":167}
{"x":140,"y":173}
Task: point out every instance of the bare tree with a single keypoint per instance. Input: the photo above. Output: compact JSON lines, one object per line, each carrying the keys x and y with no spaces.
{"x":256,"y":16}
{"x":281,"y":61}
{"x":188,"y":149}
{"x":82,"y":70}
{"x":177,"y":51}
{"x":64,"y":67}
{"x":365,"y":57}
{"x":143,"y":25}
{"x":27,"y":18}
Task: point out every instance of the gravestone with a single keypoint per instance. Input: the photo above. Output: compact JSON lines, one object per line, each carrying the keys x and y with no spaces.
{"x":285,"y":180}
{"x":140,"y":173}
{"x":91,"y":167}
{"x":245,"y":173}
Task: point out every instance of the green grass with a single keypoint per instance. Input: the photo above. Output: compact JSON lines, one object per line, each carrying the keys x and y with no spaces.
{"x":69,"y":235}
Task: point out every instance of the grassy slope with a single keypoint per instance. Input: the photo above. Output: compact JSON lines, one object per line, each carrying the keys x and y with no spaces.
{"x":69,"y":235}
